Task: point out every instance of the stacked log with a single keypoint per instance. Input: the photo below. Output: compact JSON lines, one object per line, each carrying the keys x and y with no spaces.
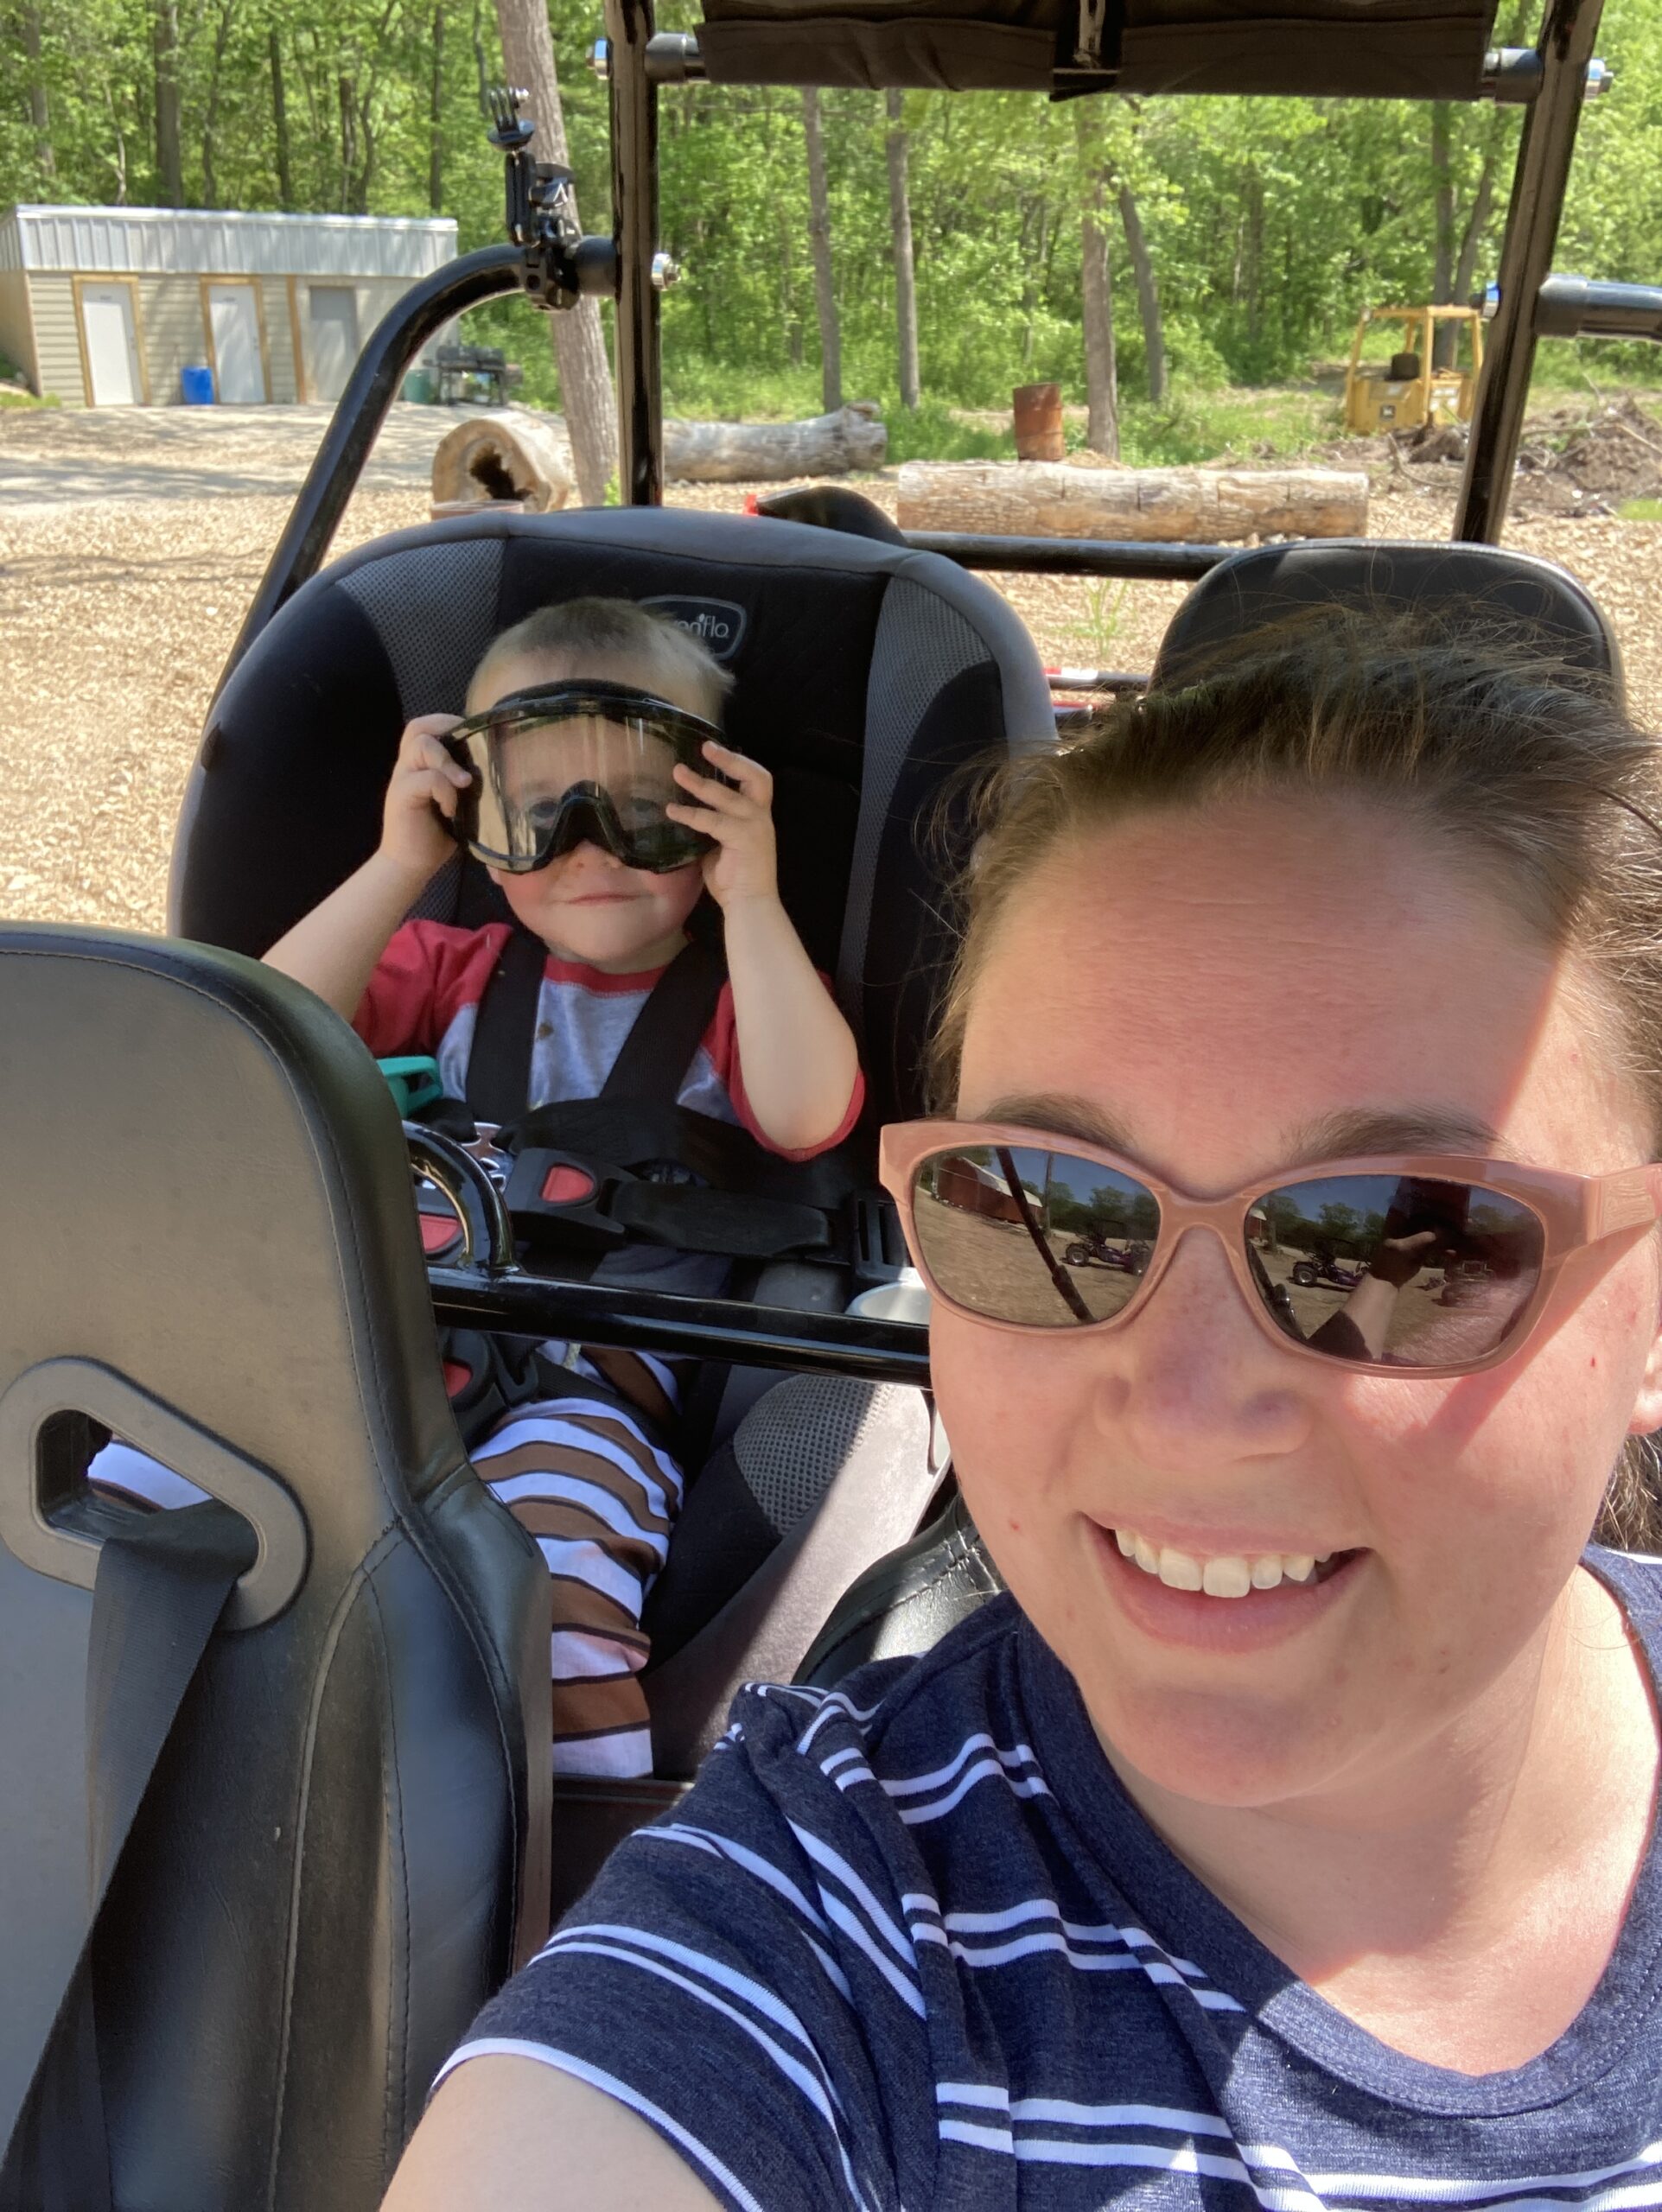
{"x":1147,"y":506}
{"x":511,"y":453}
{"x":769,"y":453}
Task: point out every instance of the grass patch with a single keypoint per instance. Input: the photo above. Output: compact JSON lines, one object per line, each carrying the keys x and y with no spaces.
{"x":1639,"y":511}
{"x":11,"y":397}
{"x":1200,"y":426}
{"x":931,"y":431}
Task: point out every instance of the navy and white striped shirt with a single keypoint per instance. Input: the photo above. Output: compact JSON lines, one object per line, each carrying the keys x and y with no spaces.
{"x":909,"y":1945}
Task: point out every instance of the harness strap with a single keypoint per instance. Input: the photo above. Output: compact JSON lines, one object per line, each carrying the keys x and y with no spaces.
{"x":505,"y":1032}
{"x":653,"y":1062}
{"x":160,"y":1592}
{"x":655,"y":1056}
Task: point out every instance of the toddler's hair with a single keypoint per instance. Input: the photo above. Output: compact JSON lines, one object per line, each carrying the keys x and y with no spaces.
{"x":663,"y":655}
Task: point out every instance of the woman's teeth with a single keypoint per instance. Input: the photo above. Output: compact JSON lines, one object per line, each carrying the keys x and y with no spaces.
{"x":1233,"y":1574}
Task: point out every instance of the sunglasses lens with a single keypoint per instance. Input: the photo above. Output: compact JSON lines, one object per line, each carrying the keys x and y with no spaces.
{"x":1019,"y":1234}
{"x":1395,"y":1271}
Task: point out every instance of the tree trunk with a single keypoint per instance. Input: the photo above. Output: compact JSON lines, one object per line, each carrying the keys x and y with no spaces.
{"x":1442,"y":266}
{"x":169,"y":163}
{"x":900,"y":220}
{"x":482,"y":67}
{"x":436,"y":116}
{"x":1097,"y":289}
{"x":1471,"y":237}
{"x":280,"y":119}
{"x":1042,"y":498}
{"x":824,"y":289}
{"x":1148,"y":297}
{"x":211,"y":117}
{"x":579,"y":342}
{"x":40,"y":115}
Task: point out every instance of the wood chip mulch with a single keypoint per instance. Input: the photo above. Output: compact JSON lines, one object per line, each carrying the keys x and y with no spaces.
{"x":116,"y":617}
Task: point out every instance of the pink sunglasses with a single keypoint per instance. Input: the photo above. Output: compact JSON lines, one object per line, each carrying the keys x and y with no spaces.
{"x":1428,"y":1263}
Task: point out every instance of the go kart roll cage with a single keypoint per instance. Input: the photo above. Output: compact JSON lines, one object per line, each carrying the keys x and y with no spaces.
{"x":549,"y":260}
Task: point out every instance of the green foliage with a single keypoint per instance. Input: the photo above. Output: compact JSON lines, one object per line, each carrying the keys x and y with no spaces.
{"x":1270,"y":223}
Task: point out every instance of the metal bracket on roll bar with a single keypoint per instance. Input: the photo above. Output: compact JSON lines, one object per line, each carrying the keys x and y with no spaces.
{"x":1512,"y":76}
{"x":672,"y":58}
{"x":1577,"y":307}
{"x":561,"y":264}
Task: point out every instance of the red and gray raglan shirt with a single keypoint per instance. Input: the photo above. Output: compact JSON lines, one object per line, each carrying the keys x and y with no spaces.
{"x":424,"y":995}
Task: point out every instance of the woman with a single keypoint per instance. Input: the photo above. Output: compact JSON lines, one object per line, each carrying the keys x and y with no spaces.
{"x":1287,"y":1829}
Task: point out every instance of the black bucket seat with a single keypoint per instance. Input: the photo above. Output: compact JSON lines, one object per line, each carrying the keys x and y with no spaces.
{"x":339,"y":1840}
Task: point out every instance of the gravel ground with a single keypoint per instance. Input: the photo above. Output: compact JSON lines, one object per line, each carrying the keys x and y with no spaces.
{"x":129,"y":546}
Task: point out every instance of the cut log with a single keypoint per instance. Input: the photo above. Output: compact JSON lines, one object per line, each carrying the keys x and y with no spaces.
{"x":509,"y":454}
{"x":1158,"y":505}
{"x":767,"y":453}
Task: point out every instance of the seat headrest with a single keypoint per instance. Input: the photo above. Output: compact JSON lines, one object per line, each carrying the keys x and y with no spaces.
{"x":207,"y":1176}
{"x":866,"y":674}
{"x":1490,"y":586}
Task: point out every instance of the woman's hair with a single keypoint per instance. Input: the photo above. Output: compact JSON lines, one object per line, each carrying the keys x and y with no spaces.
{"x":1524,"y":768}
{"x":582,"y":631}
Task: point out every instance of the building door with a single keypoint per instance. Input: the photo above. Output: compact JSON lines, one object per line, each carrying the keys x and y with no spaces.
{"x":234,"y":318}
{"x":106,"y":312}
{"x":335,"y":338}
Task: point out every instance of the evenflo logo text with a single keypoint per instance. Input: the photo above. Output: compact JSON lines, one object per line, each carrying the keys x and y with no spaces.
{"x":717,"y":624}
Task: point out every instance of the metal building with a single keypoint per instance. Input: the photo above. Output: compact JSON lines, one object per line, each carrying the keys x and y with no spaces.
{"x":106,"y":307}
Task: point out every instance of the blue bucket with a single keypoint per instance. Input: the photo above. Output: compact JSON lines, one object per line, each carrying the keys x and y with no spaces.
{"x":196,"y":387}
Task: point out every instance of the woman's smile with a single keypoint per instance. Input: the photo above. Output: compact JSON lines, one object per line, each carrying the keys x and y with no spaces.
{"x":1223,"y":1602}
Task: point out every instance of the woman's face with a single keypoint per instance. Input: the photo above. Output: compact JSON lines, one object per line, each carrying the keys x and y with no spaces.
{"x":1221,"y":997}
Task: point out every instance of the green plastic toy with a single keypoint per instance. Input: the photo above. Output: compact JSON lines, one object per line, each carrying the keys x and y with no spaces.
{"x":414,"y":1082}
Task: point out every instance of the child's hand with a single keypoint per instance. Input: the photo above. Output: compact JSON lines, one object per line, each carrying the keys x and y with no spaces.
{"x":424,"y":785}
{"x":744,"y":864}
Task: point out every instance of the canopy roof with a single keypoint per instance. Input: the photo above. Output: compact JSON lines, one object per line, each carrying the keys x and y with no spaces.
{"x":1387,"y":49}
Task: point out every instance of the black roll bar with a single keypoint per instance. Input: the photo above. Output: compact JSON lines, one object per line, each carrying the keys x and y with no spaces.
{"x":702,"y":1328}
{"x":635,"y":232}
{"x":1545,"y":148}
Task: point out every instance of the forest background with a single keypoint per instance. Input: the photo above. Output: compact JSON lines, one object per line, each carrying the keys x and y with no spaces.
{"x":1200,"y":246}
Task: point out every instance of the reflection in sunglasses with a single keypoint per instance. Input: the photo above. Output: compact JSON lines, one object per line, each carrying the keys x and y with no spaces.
{"x":1386,"y":1270}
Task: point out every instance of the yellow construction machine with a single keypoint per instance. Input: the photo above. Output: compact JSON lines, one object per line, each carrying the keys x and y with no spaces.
{"x":1410,"y":388}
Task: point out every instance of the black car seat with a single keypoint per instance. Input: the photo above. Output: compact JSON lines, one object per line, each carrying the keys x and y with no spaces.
{"x":906,"y":1602}
{"x":343,"y":1846}
{"x":866,"y":675}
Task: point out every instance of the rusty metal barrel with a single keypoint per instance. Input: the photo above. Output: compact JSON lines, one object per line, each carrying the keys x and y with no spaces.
{"x":1038,"y":410}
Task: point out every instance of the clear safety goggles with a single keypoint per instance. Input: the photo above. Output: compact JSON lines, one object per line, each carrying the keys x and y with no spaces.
{"x":579,"y":763}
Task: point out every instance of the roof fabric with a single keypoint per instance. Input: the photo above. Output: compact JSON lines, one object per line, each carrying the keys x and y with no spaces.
{"x":1384,"y":50}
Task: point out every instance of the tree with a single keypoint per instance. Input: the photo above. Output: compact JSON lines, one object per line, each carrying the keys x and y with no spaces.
{"x":169,"y":160}
{"x":825,"y":288}
{"x":436,"y":115}
{"x":285,"y":175}
{"x":900,"y":217}
{"x":40,"y":113}
{"x":579,"y":343}
{"x":1097,"y":288}
{"x":1148,"y":297}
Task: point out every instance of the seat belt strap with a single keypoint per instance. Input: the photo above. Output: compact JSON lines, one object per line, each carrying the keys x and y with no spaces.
{"x":653,"y":1059}
{"x":160,"y":1591}
{"x":505,"y":1032}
